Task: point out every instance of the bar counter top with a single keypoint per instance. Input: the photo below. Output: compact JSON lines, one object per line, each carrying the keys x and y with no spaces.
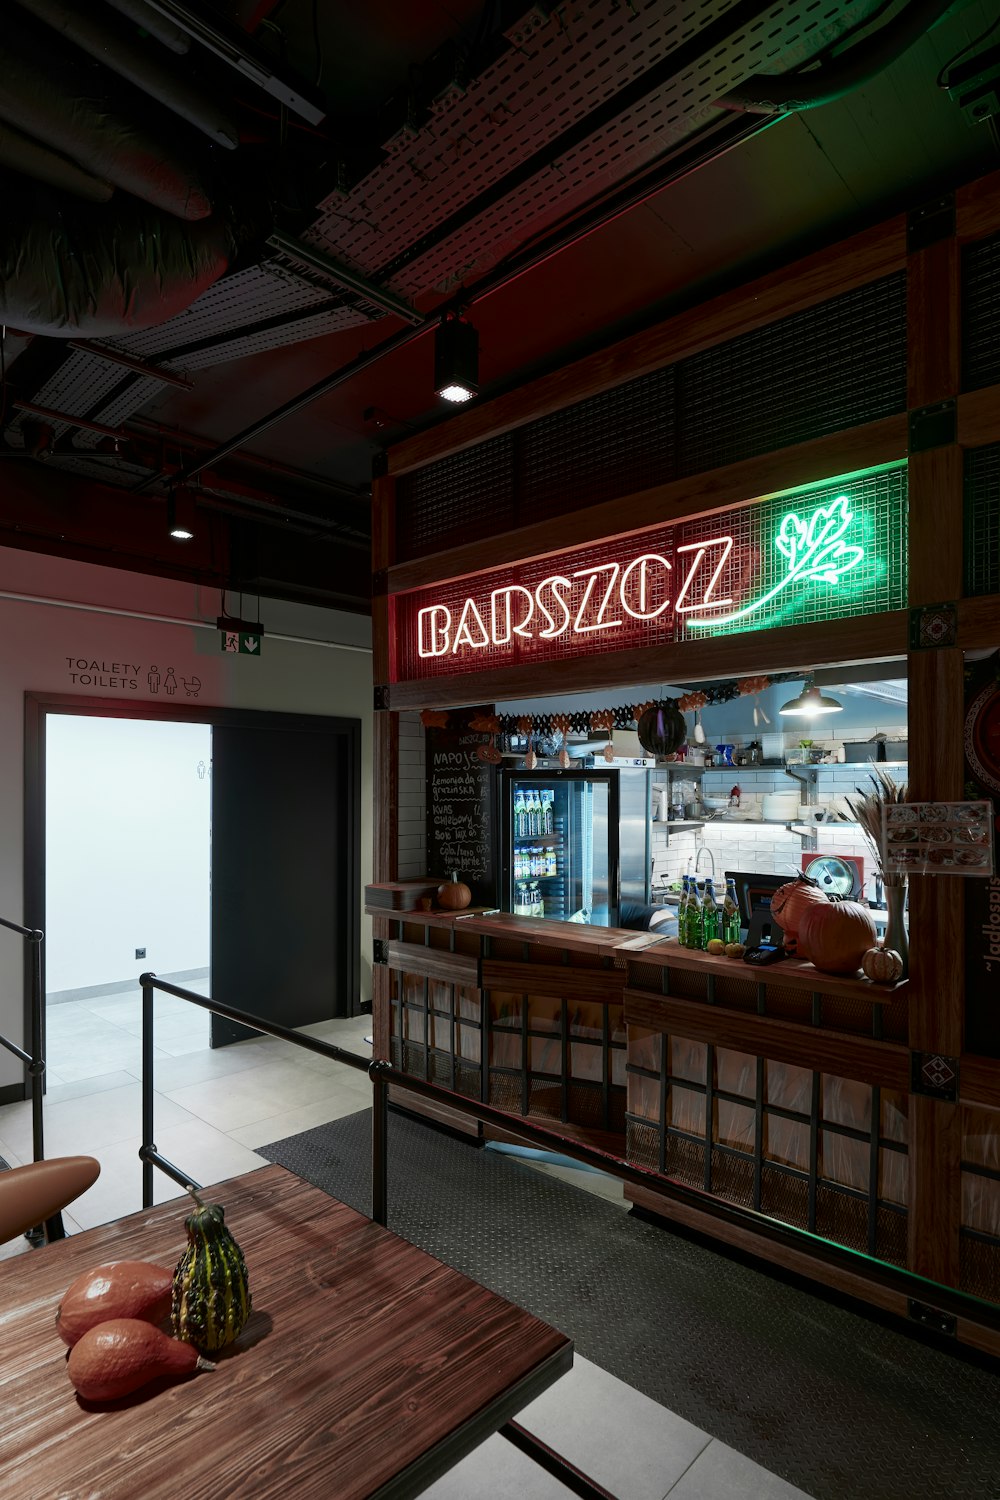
{"x":570,"y":937}
{"x":794,"y":973}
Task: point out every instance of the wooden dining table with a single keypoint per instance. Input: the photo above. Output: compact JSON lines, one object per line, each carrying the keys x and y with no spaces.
{"x":367,"y":1368}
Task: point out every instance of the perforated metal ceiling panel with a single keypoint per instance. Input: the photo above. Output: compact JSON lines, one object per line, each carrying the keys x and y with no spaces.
{"x":575,"y":64}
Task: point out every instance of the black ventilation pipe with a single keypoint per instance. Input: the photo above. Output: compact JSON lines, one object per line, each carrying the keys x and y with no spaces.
{"x":150,"y":20}
{"x":32,"y":160}
{"x":783,"y":93}
{"x":61,"y":100}
{"x":138,"y":64}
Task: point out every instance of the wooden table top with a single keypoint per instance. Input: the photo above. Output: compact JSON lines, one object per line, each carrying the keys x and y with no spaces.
{"x":367,"y":1367}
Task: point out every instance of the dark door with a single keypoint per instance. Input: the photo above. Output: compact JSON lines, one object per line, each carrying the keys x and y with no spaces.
{"x":284,"y":874}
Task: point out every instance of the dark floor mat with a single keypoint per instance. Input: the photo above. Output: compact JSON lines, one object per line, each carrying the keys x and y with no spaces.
{"x":834,"y":1402}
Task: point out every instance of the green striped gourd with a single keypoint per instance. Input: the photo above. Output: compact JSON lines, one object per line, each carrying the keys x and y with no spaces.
{"x":211,"y":1291}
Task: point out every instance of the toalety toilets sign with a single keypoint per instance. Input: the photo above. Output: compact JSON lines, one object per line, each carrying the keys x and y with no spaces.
{"x":779,"y":562}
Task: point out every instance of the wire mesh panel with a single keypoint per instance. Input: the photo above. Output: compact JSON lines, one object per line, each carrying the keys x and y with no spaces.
{"x":982,"y":520}
{"x":828,"y":368}
{"x":981,"y":314}
{"x":826,"y":552}
{"x":452,"y":501}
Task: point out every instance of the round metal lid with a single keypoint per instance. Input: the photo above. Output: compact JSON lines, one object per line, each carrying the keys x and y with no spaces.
{"x":838,"y":877}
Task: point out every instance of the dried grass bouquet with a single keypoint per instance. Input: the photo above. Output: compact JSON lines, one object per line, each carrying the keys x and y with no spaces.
{"x":866,"y":808}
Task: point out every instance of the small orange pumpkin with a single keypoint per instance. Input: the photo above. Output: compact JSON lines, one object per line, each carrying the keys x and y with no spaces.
{"x":883,"y":965}
{"x":836,"y":936}
{"x":789,"y":905}
{"x":454,"y":894}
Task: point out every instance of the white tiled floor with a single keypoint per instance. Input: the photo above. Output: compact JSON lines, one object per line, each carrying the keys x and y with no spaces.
{"x":214,"y":1107}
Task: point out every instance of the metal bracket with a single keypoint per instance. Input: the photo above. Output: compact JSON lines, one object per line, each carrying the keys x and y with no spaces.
{"x":380,"y":951}
{"x":933,"y":426}
{"x":380,"y":698}
{"x":934,"y":1075}
{"x":931,"y":222}
{"x":931,"y":1317}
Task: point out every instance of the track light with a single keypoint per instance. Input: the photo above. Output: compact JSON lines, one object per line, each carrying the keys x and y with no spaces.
{"x":810,"y":702}
{"x":456,"y":360}
{"x":180,"y":515}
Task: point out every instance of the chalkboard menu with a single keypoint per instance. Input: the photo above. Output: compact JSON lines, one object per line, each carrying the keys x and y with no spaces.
{"x":461,"y":807}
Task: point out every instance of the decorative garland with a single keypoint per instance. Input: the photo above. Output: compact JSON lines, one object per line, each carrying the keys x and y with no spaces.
{"x":606,"y":720}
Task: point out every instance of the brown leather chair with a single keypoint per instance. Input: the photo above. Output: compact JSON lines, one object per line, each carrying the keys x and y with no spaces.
{"x":30,"y":1195}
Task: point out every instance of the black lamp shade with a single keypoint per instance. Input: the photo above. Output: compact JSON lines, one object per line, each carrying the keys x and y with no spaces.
{"x":456,"y":360}
{"x":180,"y":515}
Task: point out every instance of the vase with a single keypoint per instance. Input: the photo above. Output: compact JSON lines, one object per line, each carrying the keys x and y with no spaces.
{"x":895,"y":930}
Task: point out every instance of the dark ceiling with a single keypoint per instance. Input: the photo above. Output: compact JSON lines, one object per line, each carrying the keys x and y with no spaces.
{"x":561,"y":172}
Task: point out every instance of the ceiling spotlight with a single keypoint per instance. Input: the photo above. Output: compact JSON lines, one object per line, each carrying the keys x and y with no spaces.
{"x":811,"y":702}
{"x":456,"y":360}
{"x":180,"y":515}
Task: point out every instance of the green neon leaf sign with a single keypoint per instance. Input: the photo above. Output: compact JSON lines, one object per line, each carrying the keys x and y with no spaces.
{"x":814,"y":552}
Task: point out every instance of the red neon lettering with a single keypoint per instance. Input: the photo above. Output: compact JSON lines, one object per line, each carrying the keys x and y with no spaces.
{"x":700,"y":549}
{"x":643,"y":613}
{"x":591,"y":575}
{"x":435,"y":631}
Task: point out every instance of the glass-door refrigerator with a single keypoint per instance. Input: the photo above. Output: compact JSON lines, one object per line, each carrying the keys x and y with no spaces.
{"x":559,"y":845}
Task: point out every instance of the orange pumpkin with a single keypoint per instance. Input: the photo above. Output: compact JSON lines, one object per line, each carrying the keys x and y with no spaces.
{"x":789,"y":905}
{"x":883,"y":965}
{"x":836,"y":936}
{"x":454,"y":894}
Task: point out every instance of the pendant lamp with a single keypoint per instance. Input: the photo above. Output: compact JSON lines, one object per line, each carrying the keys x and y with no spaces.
{"x":810,"y":703}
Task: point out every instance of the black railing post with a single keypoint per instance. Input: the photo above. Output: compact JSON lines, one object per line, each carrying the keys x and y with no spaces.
{"x":380,"y":1142}
{"x":146,"y":980}
{"x":37,"y":1066}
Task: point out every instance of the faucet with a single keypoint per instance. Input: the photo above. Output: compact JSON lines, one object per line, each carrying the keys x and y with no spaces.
{"x":704,"y":849}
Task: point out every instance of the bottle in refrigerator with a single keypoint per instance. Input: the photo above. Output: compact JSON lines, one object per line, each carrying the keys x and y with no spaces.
{"x":731,"y":924}
{"x":549,"y":812}
{"x":536,"y":904}
{"x":550,"y":861}
{"x":521,"y":908}
{"x":711,"y":916}
{"x":694,"y":925}
{"x":520,"y":830}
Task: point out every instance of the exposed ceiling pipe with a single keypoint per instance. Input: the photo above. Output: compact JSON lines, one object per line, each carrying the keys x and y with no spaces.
{"x":711,"y":144}
{"x":81,"y":422}
{"x":150,"y":20}
{"x":29,"y":158}
{"x":781,"y":93}
{"x":131,"y":60}
{"x":48,"y":94}
{"x":231,"y":45}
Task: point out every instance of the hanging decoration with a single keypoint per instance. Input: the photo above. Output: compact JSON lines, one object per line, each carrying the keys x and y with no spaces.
{"x":658,"y":720}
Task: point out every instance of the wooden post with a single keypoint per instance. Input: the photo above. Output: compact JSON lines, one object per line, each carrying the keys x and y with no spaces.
{"x":937,"y":978}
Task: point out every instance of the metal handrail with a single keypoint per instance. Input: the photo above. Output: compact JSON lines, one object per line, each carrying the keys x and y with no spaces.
{"x":35,"y":1063}
{"x":896,"y":1279}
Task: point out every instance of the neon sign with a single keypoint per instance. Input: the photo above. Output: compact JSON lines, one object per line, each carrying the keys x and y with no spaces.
{"x":751,"y":568}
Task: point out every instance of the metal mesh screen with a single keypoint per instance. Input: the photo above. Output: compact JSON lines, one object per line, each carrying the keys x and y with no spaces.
{"x":788,"y":586}
{"x":982,"y":519}
{"x":981,"y":314}
{"x":828,"y":368}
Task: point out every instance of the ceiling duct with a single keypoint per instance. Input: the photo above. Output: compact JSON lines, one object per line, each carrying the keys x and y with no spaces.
{"x":150,"y":20}
{"x":63,"y":100}
{"x":132,"y":60}
{"x":96,"y":270}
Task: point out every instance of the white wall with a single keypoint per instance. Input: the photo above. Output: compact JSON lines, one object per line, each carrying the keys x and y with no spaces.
{"x":41,"y":642}
{"x":127,"y":849}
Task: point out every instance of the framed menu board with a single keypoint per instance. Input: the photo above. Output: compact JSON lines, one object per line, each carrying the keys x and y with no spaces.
{"x":938,"y":838}
{"x":462,"y":806}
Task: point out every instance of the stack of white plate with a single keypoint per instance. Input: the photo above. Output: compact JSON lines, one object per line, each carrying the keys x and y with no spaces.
{"x":779,"y":807}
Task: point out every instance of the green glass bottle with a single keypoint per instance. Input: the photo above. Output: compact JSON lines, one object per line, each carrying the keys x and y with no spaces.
{"x":731,"y":924}
{"x":682,"y":912}
{"x":711,"y":916}
{"x":694,"y":927}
